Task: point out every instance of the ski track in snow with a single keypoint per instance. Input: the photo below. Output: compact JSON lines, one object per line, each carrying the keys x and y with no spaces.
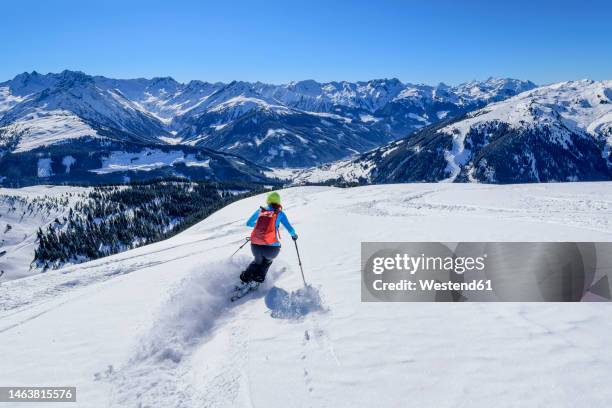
{"x":153,"y":327}
{"x":199,"y":303}
{"x":163,"y":359}
{"x":80,"y":275}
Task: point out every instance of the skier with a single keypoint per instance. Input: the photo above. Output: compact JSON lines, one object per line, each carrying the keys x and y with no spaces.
{"x":265,"y":244}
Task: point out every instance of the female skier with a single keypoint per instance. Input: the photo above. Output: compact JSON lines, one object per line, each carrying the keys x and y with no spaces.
{"x":265,"y":244}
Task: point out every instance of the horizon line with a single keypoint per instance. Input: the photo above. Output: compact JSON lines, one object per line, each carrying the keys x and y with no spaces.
{"x":491,"y":77}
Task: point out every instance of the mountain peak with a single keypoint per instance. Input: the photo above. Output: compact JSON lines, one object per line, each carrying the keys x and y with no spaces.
{"x":164,"y":80}
{"x":71,"y":78}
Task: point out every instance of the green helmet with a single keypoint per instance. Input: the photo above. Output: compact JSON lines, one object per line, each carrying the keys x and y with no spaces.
{"x":273,"y":198}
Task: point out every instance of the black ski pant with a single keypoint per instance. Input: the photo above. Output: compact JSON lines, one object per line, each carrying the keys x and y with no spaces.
{"x":264,"y":255}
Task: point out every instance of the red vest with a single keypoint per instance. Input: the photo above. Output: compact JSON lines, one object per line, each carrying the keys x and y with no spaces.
{"x":265,"y":232}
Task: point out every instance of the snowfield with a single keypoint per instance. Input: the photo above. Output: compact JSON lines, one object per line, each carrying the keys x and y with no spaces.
{"x":348,"y":170}
{"x":153,"y":327}
{"x":47,"y":128}
{"x":581,"y":106}
{"x":147,"y":160}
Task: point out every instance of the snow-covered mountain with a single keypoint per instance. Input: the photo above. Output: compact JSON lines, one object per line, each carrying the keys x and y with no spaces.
{"x":391,"y":107}
{"x":374,"y":95}
{"x":239,"y":120}
{"x":153,"y":327}
{"x":72,"y":105}
{"x":299,"y":124}
{"x":561,"y":132}
{"x":163,"y":97}
{"x":71,"y":127}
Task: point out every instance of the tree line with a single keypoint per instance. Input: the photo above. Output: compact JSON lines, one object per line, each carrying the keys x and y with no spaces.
{"x":112,"y":219}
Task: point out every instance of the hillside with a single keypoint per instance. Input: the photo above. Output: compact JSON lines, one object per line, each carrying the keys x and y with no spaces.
{"x":22,"y":213}
{"x":153,"y":326}
{"x":47,"y":227}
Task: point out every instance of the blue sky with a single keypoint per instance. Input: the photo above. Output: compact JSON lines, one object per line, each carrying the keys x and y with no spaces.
{"x":278,"y":41}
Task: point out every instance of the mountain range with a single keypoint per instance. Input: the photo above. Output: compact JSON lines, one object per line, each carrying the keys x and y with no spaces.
{"x":560,"y":132}
{"x":123,"y":127}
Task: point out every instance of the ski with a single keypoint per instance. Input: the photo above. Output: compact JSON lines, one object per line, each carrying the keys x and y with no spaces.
{"x":243,"y":290}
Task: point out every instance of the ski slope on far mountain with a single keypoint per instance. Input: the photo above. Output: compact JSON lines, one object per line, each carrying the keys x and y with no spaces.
{"x":153,"y":327}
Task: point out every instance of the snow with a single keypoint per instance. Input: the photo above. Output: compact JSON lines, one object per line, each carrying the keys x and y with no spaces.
{"x":171,"y":140}
{"x":68,"y":161}
{"x":147,"y":160}
{"x":581,"y":107}
{"x":7,"y":99}
{"x":368,"y":118}
{"x":442,"y":114}
{"x":43,"y":128}
{"x":68,"y":105}
{"x":489,"y":89}
{"x":346,"y":170}
{"x":26,"y":210}
{"x":310,"y":95}
{"x":577,"y":102}
{"x":44,"y":168}
{"x":154,"y":326}
{"x":418,"y":117}
{"x":197,"y":163}
{"x":40,"y":110}
{"x":389,"y":150}
{"x":286,"y":173}
{"x":330,"y":116}
{"x":242,"y":104}
{"x":294,"y":305}
{"x":457,"y":157}
{"x":219,"y":127}
{"x":271,"y":133}
{"x":279,"y":134}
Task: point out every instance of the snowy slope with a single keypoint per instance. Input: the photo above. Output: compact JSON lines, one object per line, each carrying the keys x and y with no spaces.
{"x":22,"y":213}
{"x":7,"y":99}
{"x":40,"y":128}
{"x":575,"y":106}
{"x":162,"y":97}
{"x":152,"y":327}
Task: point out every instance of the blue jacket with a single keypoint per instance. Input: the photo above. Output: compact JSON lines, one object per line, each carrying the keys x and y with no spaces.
{"x":280,"y":219}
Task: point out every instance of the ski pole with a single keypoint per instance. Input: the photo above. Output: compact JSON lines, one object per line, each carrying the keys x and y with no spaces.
{"x":246,"y":241}
{"x":300,"y":262}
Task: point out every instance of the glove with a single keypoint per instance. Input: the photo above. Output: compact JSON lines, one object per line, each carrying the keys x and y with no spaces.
{"x":294,"y":237}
